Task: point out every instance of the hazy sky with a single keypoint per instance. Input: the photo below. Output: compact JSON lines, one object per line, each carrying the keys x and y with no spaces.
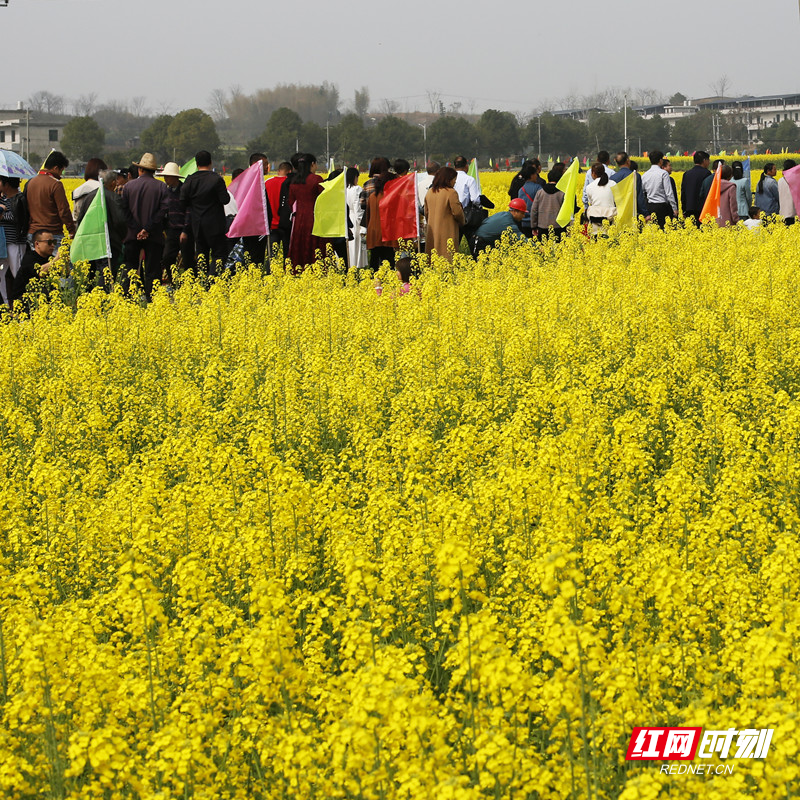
{"x":175,"y":52}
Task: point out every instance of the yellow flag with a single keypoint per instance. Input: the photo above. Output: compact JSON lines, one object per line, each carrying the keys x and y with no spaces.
{"x":330,"y":209}
{"x":568,"y":184}
{"x":625,"y":198}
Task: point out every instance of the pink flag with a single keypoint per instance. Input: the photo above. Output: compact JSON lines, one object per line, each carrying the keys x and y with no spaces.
{"x":792,"y":177}
{"x":248,"y":191}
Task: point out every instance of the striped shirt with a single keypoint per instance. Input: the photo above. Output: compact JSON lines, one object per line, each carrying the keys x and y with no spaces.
{"x":8,"y":221}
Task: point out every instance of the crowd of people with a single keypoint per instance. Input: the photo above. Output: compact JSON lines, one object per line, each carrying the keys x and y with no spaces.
{"x":155,"y":224}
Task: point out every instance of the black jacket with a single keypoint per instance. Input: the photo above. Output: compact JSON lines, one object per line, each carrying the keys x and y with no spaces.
{"x":690,"y":190}
{"x":205,"y":196}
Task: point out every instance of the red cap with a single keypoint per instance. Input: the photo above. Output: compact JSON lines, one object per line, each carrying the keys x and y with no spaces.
{"x":517,"y":204}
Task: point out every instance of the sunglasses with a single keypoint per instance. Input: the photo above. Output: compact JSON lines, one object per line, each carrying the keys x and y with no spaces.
{"x":47,"y":241}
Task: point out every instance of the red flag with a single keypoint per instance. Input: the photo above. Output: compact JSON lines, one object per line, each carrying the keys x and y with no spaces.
{"x":398,"y":209}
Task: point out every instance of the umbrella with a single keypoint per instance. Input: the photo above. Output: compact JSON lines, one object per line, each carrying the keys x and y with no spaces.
{"x":14,"y":166}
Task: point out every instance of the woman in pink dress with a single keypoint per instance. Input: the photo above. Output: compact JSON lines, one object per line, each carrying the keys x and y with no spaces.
{"x":304,"y":188}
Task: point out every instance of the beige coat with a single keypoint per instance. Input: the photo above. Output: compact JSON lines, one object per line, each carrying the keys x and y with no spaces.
{"x":445,"y":215}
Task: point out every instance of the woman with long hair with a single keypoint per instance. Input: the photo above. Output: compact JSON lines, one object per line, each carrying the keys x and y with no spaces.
{"x":767,"y":191}
{"x":379,"y":176}
{"x":601,"y":199}
{"x":304,"y":187}
{"x":744,"y":193}
{"x":444,"y":213}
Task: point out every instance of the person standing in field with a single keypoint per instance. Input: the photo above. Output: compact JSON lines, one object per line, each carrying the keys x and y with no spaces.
{"x":356,"y":250}
{"x":379,"y":250}
{"x":14,"y":220}
{"x":786,"y":206}
{"x":144,"y":204}
{"x":48,"y":207}
{"x":744,"y":193}
{"x":624,"y":168}
{"x":691,"y":185}
{"x":657,"y":186}
{"x":81,"y":197}
{"x":274,"y":185}
{"x":204,"y":195}
{"x":444,"y":213}
{"x":526,"y":193}
{"x":304,"y":188}
{"x":728,"y":206}
{"x":603,"y":157}
{"x":547,"y":204}
{"x":767,"y":198}
{"x":601,"y":205}
{"x":175,"y":218}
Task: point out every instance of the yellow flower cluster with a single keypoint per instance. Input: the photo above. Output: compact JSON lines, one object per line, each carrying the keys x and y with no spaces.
{"x":284,"y":538}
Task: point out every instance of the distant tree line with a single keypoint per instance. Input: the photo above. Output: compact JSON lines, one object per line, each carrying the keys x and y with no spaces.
{"x":315,"y":119}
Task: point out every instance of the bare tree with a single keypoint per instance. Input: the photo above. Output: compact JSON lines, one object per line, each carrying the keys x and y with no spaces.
{"x":217,"y":101}
{"x":138,"y":107}
{"x":85,"y":105}
{"x":165,"y":107}
{"x":388,"y":106}
{"x":433,"y":100}
{"x":721,"y":85}
{"x":46,"y":102}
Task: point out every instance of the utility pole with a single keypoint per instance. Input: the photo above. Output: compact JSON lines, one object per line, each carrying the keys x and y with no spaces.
{"x":539,"y":121}
{"x":328,"y":142}
{"x":626,"y":122}
{"x":424,"y":126}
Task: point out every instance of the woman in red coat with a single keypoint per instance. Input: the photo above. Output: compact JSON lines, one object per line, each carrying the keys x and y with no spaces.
{"x":303,"y":191}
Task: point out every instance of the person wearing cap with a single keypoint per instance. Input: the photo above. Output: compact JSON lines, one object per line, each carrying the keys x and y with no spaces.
{"x":175,"y":219}
{"x":492,"y":228}
{"x":145,"y":203}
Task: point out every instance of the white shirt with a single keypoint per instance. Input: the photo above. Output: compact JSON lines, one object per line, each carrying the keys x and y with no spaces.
{"x":589,"y":179}
{"x":424,"y":182}
{"x":601,"y":200}
{"x":467,"y":188}
{"x":658,"y":188}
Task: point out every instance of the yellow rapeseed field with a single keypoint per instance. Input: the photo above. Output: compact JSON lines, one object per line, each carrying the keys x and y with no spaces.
{"x":283,"y":538}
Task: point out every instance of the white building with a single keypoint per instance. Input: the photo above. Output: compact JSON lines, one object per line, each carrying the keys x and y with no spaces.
{"x":30,"y":132}
{"x":756,"y":113}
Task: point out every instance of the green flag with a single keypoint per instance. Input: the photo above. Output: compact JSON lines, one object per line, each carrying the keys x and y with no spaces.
{"x":473,"y":172}
{"x":91,"y":239}
{"x":568,"y":184}
{"x":330,"y":209}
{"x":189,"y":168}
{"x":625,"y":199}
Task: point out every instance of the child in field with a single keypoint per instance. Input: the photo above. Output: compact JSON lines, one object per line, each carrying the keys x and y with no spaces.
{"x":403,"y":270}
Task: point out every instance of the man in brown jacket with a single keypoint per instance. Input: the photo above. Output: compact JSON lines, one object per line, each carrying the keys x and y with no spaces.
{"x":47,"y":201}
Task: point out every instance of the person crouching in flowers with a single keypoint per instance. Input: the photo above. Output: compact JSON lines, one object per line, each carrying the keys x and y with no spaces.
{"x":403,"y":270}
{"x":601,"y":199}
{"x":444,"y":213}
{"x":35,"y":263}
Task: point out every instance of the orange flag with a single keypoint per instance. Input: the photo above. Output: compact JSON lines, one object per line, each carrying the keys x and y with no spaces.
{"x":711,"y":205}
